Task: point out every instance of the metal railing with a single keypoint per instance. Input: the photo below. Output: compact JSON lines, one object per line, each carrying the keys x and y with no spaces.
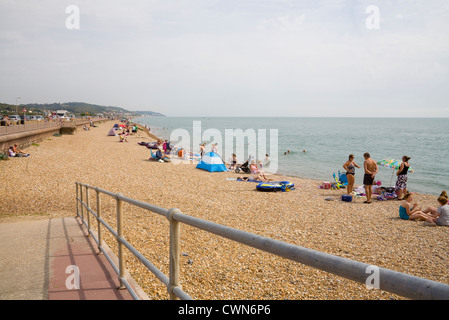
{"x":28,"y":126}
{"x":395,"y":282}
{"x":32,"y":125}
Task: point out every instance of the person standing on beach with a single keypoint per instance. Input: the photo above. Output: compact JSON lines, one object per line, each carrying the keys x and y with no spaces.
{"x":266,"y":162}
{"x":202,"y":147}
{"x":401,"y":182}
{"x":371,"y":169}
{"x":349,"y":166}
{"x":214,"y":148}
{"x":233,"y":162}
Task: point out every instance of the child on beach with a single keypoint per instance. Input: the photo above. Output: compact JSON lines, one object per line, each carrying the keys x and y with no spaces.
{"x":123,"y":137}
{"x":439,"y":216}
{"x":266,"y":162}
{"x":202,"y":149}
{"x":408,"y":212}
{"x":214,"y":148}
{"x":11,"y":152}
{"x":251,"y":179}
{"x":234,"y":162}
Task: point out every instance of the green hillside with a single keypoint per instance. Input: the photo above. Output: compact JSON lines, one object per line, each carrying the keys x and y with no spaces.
{"x":73,"y":107}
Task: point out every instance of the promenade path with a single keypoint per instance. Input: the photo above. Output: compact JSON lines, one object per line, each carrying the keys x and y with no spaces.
{"x":35,"y":256}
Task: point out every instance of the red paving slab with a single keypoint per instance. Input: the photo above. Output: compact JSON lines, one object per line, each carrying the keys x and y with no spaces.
{"x":73,"y":252}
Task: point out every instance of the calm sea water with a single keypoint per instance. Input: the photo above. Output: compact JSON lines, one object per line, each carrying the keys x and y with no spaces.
{"x":329,"y":141}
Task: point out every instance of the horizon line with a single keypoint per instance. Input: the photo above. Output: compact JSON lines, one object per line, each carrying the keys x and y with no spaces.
{"x":353,"y":117}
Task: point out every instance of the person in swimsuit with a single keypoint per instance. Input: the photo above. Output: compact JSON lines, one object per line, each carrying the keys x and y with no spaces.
{"x":234,"y":162}
{"x":349,"y":166}
{"x":409,"y":212}
{"x":214,"y":148}
{"x":202,"y":148}
{"x":371,"y":169}
{"x":401,"y":182}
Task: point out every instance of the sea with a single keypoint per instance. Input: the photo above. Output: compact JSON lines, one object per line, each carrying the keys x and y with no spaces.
{"x":316,"y":148}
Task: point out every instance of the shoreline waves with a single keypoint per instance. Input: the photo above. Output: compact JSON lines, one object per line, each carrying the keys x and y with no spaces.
{"x":42,"y":186}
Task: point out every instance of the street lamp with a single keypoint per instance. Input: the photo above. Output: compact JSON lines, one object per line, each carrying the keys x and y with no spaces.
{"x":17,"y":112}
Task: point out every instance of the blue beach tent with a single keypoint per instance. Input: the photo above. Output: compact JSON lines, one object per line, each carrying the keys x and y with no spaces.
{"x":212,"y":162}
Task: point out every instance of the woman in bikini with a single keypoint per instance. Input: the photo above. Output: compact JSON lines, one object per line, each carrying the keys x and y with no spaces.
{"x":349,"y":166}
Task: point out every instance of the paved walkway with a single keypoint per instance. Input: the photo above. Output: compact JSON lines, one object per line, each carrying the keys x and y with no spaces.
{"x":38,"y":260}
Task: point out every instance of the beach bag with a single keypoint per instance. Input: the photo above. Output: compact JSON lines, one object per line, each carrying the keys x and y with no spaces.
{"x":388,"y":189}
{"x":346,"y":197}
{"x":325,"y":185}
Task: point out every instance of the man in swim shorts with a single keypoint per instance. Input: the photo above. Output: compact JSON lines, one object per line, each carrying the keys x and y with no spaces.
{"x":371,"y":169}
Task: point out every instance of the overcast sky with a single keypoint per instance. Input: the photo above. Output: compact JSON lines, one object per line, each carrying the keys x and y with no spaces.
{"x":229,"y":57}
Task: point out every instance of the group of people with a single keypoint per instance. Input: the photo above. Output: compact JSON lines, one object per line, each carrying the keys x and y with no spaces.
{"x":407,"y":211}
{"x":126,"y":130}
{"x":255,"y":167}
{"x":5,"y":121}
{"x":432,"y":215}
{"x":370,"y":168}
{"x":257,"y":171}
{"x":14,"y":151}
{"x":288,"y":152}
{"x":163,"y":151}
{"x":214,"y":148}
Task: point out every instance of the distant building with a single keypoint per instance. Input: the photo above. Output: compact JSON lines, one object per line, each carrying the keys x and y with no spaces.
{"x":62,"y":113}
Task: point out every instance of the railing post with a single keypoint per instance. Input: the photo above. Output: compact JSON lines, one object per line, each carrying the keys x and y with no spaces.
{"x":81,"y":198}
{"x":121,"y":264}
{"x":174,"y":253}
{"x":87,"y":211}
{"x":98,"y":219}
{"x":77,"y":201}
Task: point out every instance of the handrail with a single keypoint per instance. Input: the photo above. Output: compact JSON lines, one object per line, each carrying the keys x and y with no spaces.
{"x":395,"y":282}
{"x":33,"y":125}
{"x":28,"y":126}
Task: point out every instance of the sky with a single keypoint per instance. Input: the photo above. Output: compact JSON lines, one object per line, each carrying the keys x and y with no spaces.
{"x":283,"y":58}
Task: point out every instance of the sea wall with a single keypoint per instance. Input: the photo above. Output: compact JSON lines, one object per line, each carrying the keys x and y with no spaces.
{"x":24,"y":136}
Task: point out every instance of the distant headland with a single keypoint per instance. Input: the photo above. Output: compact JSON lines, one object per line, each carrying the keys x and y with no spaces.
{"x":77,"y":108}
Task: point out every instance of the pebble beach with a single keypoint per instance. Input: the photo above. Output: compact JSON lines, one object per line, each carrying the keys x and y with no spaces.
{"x":42,"y":186}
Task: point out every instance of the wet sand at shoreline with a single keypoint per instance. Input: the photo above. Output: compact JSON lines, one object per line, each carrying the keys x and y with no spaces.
{"x":43,"y":186}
